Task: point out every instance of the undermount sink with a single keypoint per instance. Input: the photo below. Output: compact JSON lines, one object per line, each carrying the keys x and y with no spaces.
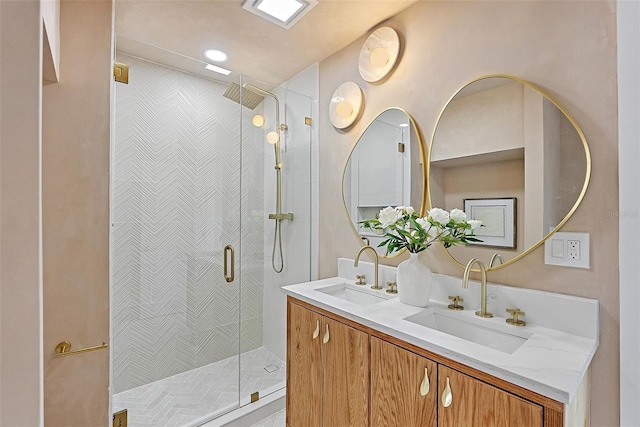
{"x":351,"y":293}
{"x":489,"y":336}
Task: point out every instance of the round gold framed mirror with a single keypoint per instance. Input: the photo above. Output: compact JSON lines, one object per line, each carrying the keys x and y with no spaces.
{"x":510,"y":155}
{"x":386,"y":167}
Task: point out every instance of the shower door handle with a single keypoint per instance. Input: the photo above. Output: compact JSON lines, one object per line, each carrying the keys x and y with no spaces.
{"x":227,"y":277}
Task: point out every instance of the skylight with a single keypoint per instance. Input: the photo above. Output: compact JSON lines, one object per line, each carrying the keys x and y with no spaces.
{"x":284,"y":13}
{"x":280,"y":9}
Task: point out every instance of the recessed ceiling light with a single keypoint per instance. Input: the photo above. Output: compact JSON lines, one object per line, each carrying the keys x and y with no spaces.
{"x":215,"y":55}
{"x":284,"y":13}
{"x":218,"y":69}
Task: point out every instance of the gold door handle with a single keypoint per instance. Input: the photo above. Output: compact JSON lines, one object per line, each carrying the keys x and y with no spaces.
{"x":326,"y":336}
{"x":316,"y":333}
{"x":229,"y":278}
{"x":424,"y":387}
{"x":447,"y":397}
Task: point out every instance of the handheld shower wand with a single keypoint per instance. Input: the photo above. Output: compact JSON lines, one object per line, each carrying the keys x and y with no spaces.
{"x":279,"y":216}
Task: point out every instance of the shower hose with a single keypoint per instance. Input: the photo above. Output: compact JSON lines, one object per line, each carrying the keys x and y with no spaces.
{"x":277,"y":236}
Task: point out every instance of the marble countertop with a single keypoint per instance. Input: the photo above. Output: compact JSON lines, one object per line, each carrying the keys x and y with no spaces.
{"x":551,"y":362}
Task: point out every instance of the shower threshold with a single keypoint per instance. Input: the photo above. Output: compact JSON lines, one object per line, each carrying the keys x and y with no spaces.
{"x":196,"y":396}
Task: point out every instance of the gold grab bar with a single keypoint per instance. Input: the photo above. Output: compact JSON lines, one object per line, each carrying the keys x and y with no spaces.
{"x":64,"y":349}
{"x":230,"y":278}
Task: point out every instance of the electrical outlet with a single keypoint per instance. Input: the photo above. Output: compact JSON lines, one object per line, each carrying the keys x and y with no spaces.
{"x":567,"y":249}
{"x":573,"y":251}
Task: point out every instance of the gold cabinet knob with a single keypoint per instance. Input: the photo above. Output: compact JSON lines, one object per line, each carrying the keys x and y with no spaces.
{"x":424,"y":386}
{"x":515,"y":312}
{"x":447,"y":395}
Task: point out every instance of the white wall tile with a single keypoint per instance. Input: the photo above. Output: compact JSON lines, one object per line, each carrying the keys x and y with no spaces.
{"x":182,"y":179}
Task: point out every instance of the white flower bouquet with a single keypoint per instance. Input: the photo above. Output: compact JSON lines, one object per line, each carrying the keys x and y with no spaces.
{"x":404,"y":228}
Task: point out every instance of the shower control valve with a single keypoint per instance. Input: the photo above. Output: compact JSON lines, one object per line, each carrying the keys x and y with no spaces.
{"x":281,"y":216}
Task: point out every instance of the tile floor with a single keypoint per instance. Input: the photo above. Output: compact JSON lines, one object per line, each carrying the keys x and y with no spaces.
{"x":183,"y":399}
{"x":275,"y":420}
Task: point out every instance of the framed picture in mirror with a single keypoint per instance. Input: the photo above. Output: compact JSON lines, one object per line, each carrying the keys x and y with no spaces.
{"x":498,"y":218}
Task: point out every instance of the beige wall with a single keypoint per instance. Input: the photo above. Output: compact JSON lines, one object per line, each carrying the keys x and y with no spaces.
{"x":566,"y":48}
{"x":76,"y":217}
{"x":20,"y":261}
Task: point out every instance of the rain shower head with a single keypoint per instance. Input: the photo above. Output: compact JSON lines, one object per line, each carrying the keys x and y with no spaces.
{"x":250,"y":99}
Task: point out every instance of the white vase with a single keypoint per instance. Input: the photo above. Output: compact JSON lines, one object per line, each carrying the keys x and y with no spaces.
{"x":415,"y":280}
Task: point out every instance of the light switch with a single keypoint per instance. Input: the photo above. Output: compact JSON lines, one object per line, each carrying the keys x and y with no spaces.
{"x":557,"y":248}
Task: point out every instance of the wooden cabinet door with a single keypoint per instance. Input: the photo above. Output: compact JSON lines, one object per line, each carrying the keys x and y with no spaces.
{"x":397,"y":398}
{"x":475,"y":403}
{"x":346,"y":375}
{"x":304,"y":367}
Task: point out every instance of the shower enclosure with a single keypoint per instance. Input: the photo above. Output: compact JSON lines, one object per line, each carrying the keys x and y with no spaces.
{"x":198,"y":320}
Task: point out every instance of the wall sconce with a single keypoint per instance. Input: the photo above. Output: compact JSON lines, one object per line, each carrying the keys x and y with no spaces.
{"x":379,"y":54}
{"x":257,"y":120}
{"x":273,"y":137}
{"x":346,"y":104}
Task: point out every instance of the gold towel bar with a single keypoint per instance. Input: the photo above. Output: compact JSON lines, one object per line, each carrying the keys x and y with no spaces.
{"x":64,"y":349}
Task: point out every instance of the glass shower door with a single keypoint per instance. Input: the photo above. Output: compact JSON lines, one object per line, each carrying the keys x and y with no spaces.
{"x":176,"y":200}
{"x":262,"y":303}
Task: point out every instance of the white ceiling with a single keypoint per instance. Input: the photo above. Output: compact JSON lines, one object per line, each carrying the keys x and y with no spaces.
{"x":256,"y":47}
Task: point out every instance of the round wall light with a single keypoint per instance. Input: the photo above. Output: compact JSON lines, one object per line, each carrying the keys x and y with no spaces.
{"x":273,"y":137}
{"x":379,"y":57}
{"x":346,"y":104}
{"x":379,"y":54}
{"x":344,"y":109}
{"x":257,"y":120}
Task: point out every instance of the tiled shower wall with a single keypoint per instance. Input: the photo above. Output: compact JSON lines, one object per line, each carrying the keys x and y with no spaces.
{"x":175,"y":204}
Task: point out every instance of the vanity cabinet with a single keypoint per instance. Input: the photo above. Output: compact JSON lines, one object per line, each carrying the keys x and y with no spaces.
{"x":327,"y":371}
{"x":400,"y":395}
{"x":329,"y":384}
{"x":407,"y":390}
{"x":474,"y":402}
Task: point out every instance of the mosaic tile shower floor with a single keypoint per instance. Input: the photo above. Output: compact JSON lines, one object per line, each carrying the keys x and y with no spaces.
{"x":185,"y":398}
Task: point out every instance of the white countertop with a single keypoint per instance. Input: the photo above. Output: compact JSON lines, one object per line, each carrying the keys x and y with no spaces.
{"x":551,"y":362}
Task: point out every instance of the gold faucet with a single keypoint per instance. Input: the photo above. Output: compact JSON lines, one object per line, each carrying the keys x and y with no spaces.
{"x":375,"y":260}
{"x":495,"y":257}
{"x":483,"y":286}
